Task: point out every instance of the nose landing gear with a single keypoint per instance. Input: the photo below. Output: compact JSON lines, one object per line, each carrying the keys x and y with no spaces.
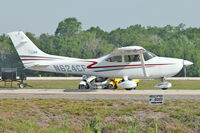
{"x":163,"y":84}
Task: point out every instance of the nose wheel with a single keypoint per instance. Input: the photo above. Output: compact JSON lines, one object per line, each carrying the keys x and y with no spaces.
{"x":163,"y":84}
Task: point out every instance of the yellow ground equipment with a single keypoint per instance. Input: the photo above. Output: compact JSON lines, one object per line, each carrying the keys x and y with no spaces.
{"x":114,"y":82}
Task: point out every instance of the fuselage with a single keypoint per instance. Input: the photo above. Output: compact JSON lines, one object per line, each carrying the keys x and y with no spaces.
{"x":156,"y":67}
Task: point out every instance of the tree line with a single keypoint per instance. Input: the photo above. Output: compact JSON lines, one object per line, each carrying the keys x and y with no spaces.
{"x":70,"y":40}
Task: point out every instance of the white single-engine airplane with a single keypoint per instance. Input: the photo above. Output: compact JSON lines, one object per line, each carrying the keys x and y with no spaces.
{"x":126,"y":62}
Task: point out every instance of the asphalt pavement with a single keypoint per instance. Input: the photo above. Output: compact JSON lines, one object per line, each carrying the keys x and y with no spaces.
{"x":98,"y":94}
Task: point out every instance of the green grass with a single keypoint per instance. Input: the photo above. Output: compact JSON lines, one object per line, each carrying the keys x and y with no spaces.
{"x":176,"y":84}
{"x":47,"y":84}
{"x":73,"y":84}
{"x":84,"y":116}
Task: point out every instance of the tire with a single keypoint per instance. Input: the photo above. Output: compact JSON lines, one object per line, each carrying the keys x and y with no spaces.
{"x":81,"y":87}
{"x":164,"y":88}
{"x":110,"y":86}
{"x":87,"y":86}
{"x":21,"y":85}
{"x":128,"y":89}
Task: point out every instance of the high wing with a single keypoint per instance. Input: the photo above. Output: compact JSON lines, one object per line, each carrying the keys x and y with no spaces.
{"x":130,"y":50}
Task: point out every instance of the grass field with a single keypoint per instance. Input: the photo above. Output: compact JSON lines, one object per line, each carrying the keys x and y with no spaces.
{"x":73,"y":84}
{"x":85,"y":116}
{"x":88,"y":116}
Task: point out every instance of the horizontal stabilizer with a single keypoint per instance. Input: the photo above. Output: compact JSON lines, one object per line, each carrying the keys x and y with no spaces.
{"x":35,"y":65}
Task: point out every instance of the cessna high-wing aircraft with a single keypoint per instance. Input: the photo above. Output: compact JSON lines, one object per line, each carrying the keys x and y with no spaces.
{"x":126,"y":62}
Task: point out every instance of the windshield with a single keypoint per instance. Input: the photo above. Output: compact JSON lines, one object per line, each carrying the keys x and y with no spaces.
{"x":148,"y":55}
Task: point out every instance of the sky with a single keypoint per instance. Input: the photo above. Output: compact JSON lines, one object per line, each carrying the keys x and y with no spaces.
{"x":43,"y":16}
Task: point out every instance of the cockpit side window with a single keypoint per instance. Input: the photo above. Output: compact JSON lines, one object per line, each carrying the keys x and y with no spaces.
{"x":148,"y":55}
{"x":132,"y":58}
{"x":114,"y":59}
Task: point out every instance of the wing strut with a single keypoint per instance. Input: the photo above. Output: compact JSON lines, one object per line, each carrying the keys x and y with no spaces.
{"x":143,"y":65}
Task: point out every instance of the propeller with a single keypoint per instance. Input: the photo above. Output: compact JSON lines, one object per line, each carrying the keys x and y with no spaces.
{"x":184,"y":65}
{"x":185,"y":62}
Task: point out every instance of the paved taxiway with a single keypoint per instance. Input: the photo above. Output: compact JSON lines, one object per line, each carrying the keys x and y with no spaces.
{"x":98,"y":94}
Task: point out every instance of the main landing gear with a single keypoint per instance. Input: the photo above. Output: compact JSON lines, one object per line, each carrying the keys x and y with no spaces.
{"x":93,"y":82}
{"x":163,"y":84}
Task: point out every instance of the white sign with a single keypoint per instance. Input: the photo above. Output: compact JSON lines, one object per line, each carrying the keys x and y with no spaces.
{"x":156,"y":99}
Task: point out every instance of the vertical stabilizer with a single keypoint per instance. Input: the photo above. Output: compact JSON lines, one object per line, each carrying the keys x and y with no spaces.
{"x":26,"y":49}
{"x":24,"y":45}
